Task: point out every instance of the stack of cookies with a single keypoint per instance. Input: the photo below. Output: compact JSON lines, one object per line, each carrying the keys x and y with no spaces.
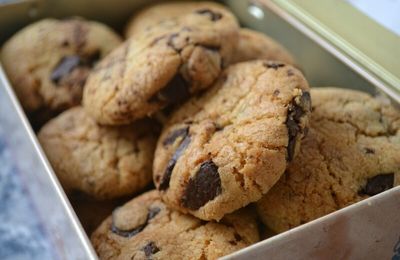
{"x":219,"y":117}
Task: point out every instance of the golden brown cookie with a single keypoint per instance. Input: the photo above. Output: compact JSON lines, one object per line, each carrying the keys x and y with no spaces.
{"x":252,"y":44}
{"x":145,"y":228}
{"x":48,"y":62}
{"x":163,"y":65}
{"x":156,"y":14}
{"x":351,"y":152}
{"x":225,"y":149}
{"x":104,"y":162}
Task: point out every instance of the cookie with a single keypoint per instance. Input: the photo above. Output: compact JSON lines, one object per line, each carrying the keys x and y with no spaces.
{"x":351,"y":152}
{"x":254,"y":45}
{"x":161,"y":66}
{"x":145,"y":228}
{"x":226,"y":148}
{"x":104,"y":162}
{"x":148,"y":17}
{"x":57,"y":58}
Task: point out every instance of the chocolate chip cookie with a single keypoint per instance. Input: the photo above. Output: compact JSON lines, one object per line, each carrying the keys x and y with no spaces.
{"x":163,"y":65}
{"x":352,"y":152}
{"x":145,"y":228}
{"x":48,"y":62}
{"x":226,"y":148}
{"x":254,"y":45}
{"x":104,"y":162}
{"x":148,"y":17}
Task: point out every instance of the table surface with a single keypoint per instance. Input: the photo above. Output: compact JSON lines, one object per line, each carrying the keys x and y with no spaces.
{"x":22,"y":234}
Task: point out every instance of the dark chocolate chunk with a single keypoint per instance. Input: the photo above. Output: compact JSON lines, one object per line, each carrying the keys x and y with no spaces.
{"x":68,"y":63}
{"x":127,"y":233}
{"x":215,"y":48}
{"x":175,"y":91}
{"x":170,"y":139}
{"x":273,"y":65}
{"x":130,"y":233}
{"x":238,"y":237}
{"x":378,"y":184}
{"x":203,"y":187}
{"x":171,"y":164}
{"x":368,"y":150}
{"x":64,"y":67}
{"x":153,"y":212}
{"x":150,"y":249}
{"x":218,"y":127}
{"x":296,"y":111}
{"x":293,"y":130}
{"x":214,"y":16}
{"x":65,"y":43}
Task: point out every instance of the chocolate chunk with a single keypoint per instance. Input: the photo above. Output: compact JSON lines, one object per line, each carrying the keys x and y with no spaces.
{"x":378,"y":184}
{"x":170,"y":139}
{"x":64,"y":67}
{"x":296,"y":111}
{"x":153,"y":212}
{"x":65,"y":43}
{"x":175,"y":91}
{"x":214,"y":48}
{"x":150,"y":249}
{"x":171,"y":164}
{"x":68,"y":63}
{"x":293,"y":130}
{"x":203,"y":187}
{"x":273,"y":65}
{"x":127,"y":233}
{"x":218,"y":127}
{"x":214,"y":16}
{"x":130,"y":233}
{"x":369,"y":150}
{"x":238,"y":237}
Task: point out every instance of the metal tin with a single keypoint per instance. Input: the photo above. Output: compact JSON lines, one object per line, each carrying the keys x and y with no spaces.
{"x":365,"y":230}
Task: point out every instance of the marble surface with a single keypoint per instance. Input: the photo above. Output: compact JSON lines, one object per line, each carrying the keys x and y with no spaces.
{"x":21,"y":233}
{"x":36,"y":220}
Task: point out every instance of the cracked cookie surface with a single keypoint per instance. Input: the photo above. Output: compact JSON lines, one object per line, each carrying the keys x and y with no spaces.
{"x":104,"y":162}
{"x":352,"y":151}
{"x":57,"y":58}
{"x":226,"y":148}
{"x":145,"y":228}
{"x":161,"y":66}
